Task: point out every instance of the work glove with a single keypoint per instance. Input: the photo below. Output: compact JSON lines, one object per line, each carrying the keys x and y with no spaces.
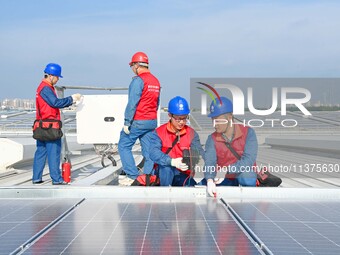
{"x":76,"y":97}
{"x":126,"y":130}
{"x":211,"y":188}
{"x":177,"y":162}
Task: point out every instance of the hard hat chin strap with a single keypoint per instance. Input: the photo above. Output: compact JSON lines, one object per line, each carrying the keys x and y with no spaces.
{"x":143,"y":64}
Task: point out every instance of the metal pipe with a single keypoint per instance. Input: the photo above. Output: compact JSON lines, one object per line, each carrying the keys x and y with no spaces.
{"x":6,"y":116}
{"x":89,"y":88}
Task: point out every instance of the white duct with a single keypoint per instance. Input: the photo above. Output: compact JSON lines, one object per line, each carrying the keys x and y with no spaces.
{"x":15,"y":150}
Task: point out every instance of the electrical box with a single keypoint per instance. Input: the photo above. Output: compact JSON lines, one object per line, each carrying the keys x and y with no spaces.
{"x":100,"y":118}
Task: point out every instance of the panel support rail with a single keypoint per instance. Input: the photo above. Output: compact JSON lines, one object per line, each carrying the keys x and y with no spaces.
{"x":260,"y":244}
{"x":42,"y":232}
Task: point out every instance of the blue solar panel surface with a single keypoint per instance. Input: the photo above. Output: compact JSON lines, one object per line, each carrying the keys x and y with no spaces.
{"x":21,"y":219}
{"x":200,"y":226}
{"x":109,"y":226}
{"x":293,"y":227}
{"x":113,"y":227}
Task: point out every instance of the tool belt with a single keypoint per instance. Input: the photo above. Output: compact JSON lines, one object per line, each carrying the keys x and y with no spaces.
{"x":47,"y":130}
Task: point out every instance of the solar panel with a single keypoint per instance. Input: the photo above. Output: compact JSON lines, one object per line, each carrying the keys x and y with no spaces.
{"x":111,"y":226}
{"x":293,"y":227}
{"x":171,"y":226}
{"x":21,"y":219}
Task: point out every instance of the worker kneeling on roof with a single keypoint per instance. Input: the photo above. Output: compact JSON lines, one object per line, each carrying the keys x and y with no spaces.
{"x":175,"y":145}
{"x":232,"y":148}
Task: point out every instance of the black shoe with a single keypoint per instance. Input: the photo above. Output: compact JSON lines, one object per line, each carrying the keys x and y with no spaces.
{"x":37,"y":182}
{"x":60,"y":183}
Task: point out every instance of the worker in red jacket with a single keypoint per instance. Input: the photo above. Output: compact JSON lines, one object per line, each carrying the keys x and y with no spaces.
{"x":235,"y":169}
{"x":140,"y":117}
{"x":168,"y":156}
{"x":47,"y":108}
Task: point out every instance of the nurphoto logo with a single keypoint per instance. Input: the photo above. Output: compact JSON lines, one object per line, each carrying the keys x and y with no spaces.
{"x":280,"y":99}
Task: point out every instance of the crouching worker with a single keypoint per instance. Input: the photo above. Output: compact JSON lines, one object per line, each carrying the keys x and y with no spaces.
{"x":230,"y":151}
{"x":171,"y":141}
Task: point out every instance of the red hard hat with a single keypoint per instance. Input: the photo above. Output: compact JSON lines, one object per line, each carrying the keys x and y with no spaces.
{"x":139,"y":57}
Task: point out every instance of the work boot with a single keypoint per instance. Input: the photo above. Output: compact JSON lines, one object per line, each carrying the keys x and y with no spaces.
{"x":38,"y":182}
{"x":60,"y":183}
{"x":126,"y":181}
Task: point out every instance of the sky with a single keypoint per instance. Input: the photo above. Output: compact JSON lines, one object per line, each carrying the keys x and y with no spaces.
{"x":93,"y":41}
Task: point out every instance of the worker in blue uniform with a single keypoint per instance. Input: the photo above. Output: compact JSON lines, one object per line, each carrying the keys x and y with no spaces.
{"x":47,"y":108}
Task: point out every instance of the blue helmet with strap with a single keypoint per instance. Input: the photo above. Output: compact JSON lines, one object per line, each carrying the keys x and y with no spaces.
{"x":178,"y":106}
{"x":53,"y":69}
{"x":218,"y":108}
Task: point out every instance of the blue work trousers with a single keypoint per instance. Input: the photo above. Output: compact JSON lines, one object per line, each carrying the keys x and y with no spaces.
{"x":247,"y":179}
{"x":125,"y":145}
{"x":170,"y":176}
{"x":50,"y":151}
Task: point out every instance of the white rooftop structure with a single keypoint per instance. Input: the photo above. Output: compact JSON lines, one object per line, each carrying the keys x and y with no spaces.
{"x":93,"y":215}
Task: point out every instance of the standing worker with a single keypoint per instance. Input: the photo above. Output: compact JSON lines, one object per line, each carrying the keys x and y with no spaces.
{"x":140,"y":117}
{"x":47,"y":108}
{"x":169,"y":142}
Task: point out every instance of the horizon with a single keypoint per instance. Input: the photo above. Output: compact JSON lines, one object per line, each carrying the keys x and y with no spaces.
{"x":94,"y":42}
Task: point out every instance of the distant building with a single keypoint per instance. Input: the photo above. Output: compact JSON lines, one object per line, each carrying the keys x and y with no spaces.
{"x":17,"y":103}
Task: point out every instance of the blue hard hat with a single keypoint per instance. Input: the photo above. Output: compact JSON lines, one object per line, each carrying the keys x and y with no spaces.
{"x":53,"y":69}
{"x":217,"y":109}
{"x":178,"y":106}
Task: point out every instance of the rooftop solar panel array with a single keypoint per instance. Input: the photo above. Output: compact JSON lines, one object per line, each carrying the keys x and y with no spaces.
{"x":163,"y":226}
{"x":108,"y":226}
{"x":24,"y":121}
{"x":293,"y":227}
{"x":321,"y":120}
{"x":22,"y":219}
{"x":307,"y":170}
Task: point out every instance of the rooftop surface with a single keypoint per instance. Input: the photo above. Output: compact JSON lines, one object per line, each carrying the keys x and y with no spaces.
{"x":91,"y":217}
